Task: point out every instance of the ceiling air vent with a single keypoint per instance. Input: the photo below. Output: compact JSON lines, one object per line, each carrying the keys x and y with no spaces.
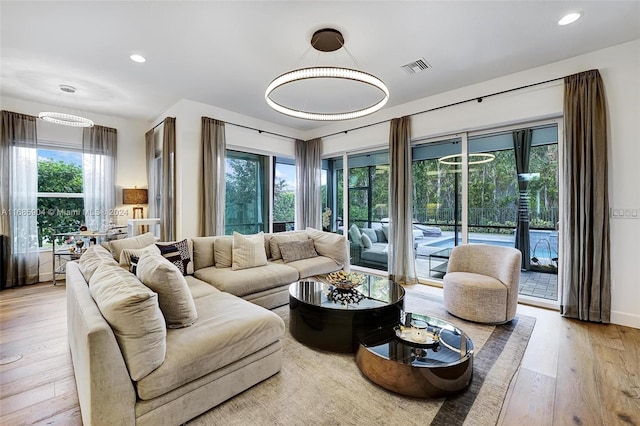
{"x":416,"y":66}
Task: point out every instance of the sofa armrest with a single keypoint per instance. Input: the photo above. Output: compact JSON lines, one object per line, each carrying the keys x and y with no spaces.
{"x":105,"y":390}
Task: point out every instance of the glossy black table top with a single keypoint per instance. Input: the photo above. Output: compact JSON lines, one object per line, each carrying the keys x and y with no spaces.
{"x":375,"y":292}
{"x":454,"y":346}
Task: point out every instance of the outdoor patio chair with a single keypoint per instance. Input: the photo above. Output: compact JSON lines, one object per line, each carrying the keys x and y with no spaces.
{"x":482,"y":283}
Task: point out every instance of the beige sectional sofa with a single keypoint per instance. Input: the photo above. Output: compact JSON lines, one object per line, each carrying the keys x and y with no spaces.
{"x":171,"y":375}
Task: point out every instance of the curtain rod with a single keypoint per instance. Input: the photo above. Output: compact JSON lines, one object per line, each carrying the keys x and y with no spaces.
{"x":260,"y":131}
{"x":477,"y":99}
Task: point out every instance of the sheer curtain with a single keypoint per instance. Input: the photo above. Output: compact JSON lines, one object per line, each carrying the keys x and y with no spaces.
{"x":402,"y":267}
{"x":151,"y":172}
{"x":213,"y":178}
{"x":308,"y":184}
{"x":168,"y":214}
{"x":99,"y":146}
{"x":19,"y":198}
{"x":586,"y":289}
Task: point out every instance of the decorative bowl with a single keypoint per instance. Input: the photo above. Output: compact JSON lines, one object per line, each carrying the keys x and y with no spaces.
{"x":345,"y":280}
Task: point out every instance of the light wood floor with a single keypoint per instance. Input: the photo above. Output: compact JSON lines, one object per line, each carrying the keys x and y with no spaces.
{"x":572,"y":372}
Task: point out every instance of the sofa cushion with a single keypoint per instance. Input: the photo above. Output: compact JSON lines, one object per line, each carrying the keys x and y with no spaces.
{"x":228,"y":330}
{"x":380,"y":236}
{"x":95,"y":256}
{"x":314,"y":266}
{"x":132,"y":243}
{"x":127,"y":254}
{"x":385,"y":230}
{"x":248,"y":281}
{"x":330,"y":245}
{"x":366,"y":241}
{"x":371,"y":233}
{"x":297,"y":250}
{"x":223,"y":251}
{"x":133,"y":312}
{"x":199,"y":288}
{"x":174,"y":297}
{"x":248,"y":251}
{"x":284,"y":237}
{"x":378,"y":253}
{"x":355,"y":234}
{"x":203,"y":252}
{"x":177,"y":253}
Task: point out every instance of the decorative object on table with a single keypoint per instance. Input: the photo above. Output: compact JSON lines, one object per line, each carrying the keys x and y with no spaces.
{"x":343,"y":296}
{"x":83,"y":228}
{"x":79,"y":244}
{"x":326,"y":219}
{"x":345,"y":280}
{"x":136,"y":196}
{"x":421,"y":337}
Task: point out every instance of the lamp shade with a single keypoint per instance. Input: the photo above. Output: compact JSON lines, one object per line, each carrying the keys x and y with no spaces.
{"x":135,"y":196}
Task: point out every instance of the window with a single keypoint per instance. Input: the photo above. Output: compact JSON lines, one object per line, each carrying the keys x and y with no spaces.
{"x":60,"y":192}
{"x":284,"y":194}
{"x":246,"y":202}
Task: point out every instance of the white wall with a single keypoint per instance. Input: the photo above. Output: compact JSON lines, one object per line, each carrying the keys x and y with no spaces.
{"x":189,"y":159}
{"x":620,"y":69}
{"x":131,"y":163}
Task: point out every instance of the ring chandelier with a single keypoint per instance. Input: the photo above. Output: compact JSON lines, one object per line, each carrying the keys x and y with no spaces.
{"x":66,"y":119}
{"x":482,"y":158}
{"x":326,"y":40}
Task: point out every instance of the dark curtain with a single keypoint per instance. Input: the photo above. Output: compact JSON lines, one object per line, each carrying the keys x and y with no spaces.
{"x":586,"y":287}
{"x":522,"y":150}
{"x":212,"y":204}
{"x":168,"y":214}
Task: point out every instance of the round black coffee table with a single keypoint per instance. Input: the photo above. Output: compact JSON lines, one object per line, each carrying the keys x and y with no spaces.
{"x":426,"y":371}
{"x":324,"y":317}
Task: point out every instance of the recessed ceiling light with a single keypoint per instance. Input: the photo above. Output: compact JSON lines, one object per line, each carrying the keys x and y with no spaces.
{"x":137,"y":58}
{"x":570,"y":18}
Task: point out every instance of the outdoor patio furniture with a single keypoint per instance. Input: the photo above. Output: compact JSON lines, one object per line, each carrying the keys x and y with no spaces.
{"x":482,"y":283}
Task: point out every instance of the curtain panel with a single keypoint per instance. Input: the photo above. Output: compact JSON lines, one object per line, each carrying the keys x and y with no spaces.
{"x":586,"y":287}
{"x":308,"y":183}
{"x":99,"y":151}
{"x":522,"y":151}
{"x":150,"y":145}
{"x":19,"y":199}
{"x":402,"y":267}
{"x":212,"y":207}
{"x":168,"y":214}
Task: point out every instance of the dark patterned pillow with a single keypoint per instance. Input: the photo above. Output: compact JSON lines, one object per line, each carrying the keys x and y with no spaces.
{"x":176,"y":253}
{"x":133,"y":267}
{"x":297,"y":250}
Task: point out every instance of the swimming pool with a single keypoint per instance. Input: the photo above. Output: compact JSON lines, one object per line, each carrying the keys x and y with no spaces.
{"x":542,"y":244}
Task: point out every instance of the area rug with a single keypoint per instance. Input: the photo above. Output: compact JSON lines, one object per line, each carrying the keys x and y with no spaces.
{"x":321,"y":388}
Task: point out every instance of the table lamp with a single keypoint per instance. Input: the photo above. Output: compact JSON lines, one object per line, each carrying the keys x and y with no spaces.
{"x":136,"y":196}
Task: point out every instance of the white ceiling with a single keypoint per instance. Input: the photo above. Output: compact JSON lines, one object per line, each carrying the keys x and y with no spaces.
{"x":226,"y":53}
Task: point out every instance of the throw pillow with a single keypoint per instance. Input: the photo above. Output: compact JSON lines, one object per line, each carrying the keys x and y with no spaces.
{"x":371,"y":233}
{"x":223,"y":251}
{"x":355,"y":234}
{"x":248,"y":251}
{"x":174,"y":297}
{"x":90,"y":260}
{"x":333,"y":246}
{"x":133,"y":267}
{"x":176,"y":253}
{"x":385,"y":230}
{"x":297,"y":250}
{"x":132,"y":311}
{"x":280,"y":238}
{"x":126,"y":254}
{"x":133,"y":243}
{"x":366,"y":241}
{"x":380,"y":236}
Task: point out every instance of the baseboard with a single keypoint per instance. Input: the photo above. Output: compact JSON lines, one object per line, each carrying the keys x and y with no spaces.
{"x":623,"y":318}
